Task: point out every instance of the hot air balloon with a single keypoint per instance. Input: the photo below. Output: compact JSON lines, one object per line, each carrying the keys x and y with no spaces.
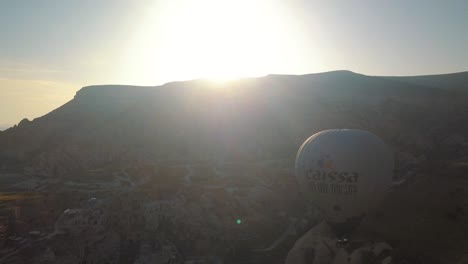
{"x":344,"y":173}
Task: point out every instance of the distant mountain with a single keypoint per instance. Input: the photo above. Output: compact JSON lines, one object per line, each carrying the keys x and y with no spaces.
{"x":247,"y":119}
{"x":456,"y":82}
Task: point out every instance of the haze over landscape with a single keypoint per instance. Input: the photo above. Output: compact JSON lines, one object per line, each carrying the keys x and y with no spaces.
{"x":167,"y":131}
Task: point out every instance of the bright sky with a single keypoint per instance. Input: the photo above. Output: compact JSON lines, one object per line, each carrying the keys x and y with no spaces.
{"x":51,"y":48}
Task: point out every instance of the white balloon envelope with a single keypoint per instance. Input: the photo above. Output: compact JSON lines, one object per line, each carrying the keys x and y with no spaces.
{"x":344,"y":172}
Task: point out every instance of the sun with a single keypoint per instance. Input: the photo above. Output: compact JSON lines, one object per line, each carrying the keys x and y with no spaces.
{"x":215,"y":39}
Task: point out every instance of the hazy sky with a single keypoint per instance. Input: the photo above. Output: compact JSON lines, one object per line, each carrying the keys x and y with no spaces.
{"x":51,"y":48}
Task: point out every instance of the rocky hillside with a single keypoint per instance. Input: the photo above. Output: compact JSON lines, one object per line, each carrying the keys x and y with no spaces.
{"x":250,"y":119}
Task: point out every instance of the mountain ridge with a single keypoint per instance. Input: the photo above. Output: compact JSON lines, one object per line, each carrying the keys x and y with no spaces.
{"x":247,"y":105}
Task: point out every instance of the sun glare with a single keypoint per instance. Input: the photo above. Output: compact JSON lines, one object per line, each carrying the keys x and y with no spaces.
{"x":221,"y":40}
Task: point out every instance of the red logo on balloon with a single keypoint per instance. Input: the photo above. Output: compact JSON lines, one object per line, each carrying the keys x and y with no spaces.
{"x":325,"y":162}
